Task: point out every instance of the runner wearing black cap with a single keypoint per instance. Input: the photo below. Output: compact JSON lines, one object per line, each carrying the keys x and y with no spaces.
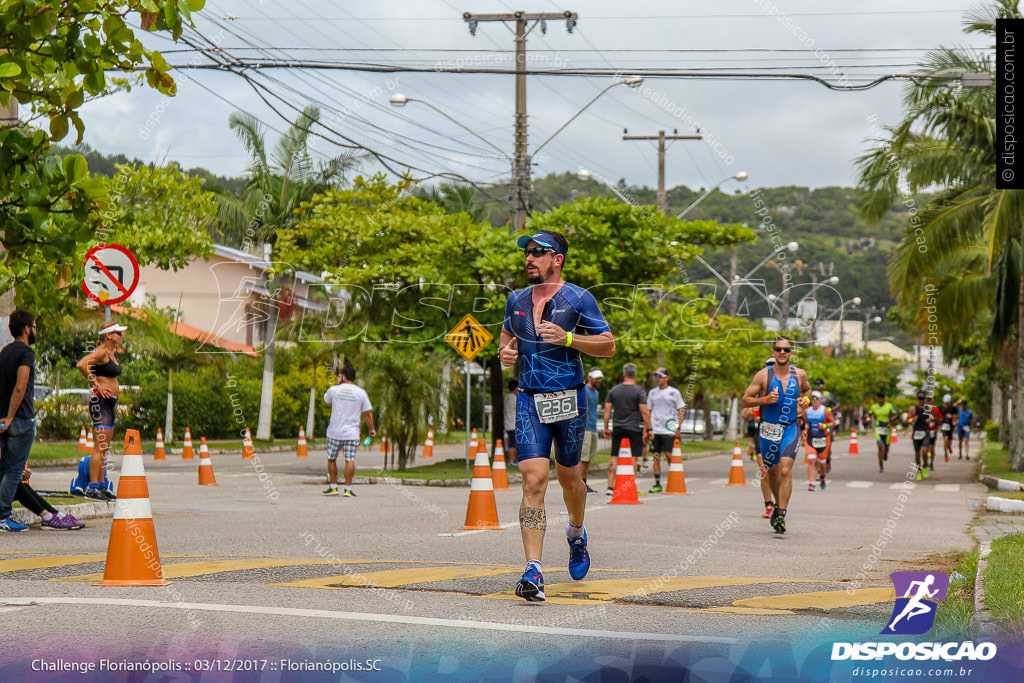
{"x":547,"y":326}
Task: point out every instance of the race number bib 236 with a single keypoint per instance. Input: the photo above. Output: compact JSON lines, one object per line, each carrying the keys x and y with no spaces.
{"x":771,"y":431}
{"x":556,"y":407}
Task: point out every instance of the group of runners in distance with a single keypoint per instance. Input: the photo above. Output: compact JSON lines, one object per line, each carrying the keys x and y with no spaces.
{"x":546,"y":328}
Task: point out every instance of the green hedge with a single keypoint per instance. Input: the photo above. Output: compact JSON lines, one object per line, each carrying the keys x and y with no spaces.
{"x":992,"y":432}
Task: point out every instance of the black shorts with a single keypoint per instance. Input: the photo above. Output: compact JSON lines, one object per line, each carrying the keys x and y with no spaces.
{"x":636,"y":442}
{"x":663,"y":443}
{"x":510,"y":438}
{"x":102,"y":411}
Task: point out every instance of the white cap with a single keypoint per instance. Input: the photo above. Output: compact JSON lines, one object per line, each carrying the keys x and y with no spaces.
{"x":815,"y":394}
{"x":113,"y":327}
{"x":947,"y":398}
{"x":770,"y":361}
{"x":596,"y":373}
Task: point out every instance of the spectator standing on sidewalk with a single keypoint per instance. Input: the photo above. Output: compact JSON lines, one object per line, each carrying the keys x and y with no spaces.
{"x":348,"y":402}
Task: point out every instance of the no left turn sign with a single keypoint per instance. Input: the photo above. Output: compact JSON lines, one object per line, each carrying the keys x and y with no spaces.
{"x":111,"y":274}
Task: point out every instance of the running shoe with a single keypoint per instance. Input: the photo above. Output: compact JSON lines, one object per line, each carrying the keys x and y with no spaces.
{"x":349,"y":493}
{"x":590,"y":490}
{"x":768,"y":510}
{"x":823,"y":482}
{"x":960,"y":458}
{"x":97,"y":493}
{"x":779,"y":522}
{"x":925,"y":472}
{"x":531,"y":586}
{"x":644,"y":464}
{"x":919,"y":477}
{"x":609,"y":491}
{"x":656,"y":489}
{"x":11,"y":525}
{"x":947,"y":458}
{"x":967,"y":457}
{"x":810,"y":486}
{"x":55,"y":523}
{"x":881,"y":469}
{"x":579,"y":557}
{"x":73,"y":522}
{"x":332,"y":491}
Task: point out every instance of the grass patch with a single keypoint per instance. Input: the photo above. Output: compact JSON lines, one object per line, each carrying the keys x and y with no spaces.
{"x":996,"y":461}
{"x":1015,"y":495}
{"x":442,"y":469}
{"x":955,"y":617}
{"x":54,"y":451}
{"x":1004,"y":583}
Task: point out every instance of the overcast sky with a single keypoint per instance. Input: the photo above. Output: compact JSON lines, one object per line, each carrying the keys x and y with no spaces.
{"x":781,"y":132}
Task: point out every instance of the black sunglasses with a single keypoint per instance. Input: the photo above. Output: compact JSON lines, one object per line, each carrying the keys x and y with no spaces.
{"x":537,"y":252}
{"x":782,"y":349}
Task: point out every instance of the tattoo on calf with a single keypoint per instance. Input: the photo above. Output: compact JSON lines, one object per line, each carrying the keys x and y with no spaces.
{"x":533,"y":518}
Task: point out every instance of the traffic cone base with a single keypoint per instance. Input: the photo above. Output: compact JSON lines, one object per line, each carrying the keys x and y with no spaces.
{"x":499,"y":475}
{"x":676,"y":484}
{"x":132,"y":555}
{"x":736,"y":477}
{"x":853,"y":444}
{"x":428,"y":447}
{"x":624,"y":492}
{"x":482,"y":511}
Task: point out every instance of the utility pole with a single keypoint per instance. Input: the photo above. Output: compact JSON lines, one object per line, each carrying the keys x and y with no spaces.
{"x":661,"y":138}
{"x":525,"y":23}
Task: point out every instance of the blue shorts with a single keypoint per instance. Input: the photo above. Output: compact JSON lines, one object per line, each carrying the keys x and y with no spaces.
{"x":963,"y":432}
{"x":773,"y":451}
{"x":534,"y":438}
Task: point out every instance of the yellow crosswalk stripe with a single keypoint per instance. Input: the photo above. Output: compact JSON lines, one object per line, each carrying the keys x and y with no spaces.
{"x":187,"y":569}
{"x":605,"y":590}
{"x":823,"y":600}
{"x":47,"y":562}
{"x":393,"y":578}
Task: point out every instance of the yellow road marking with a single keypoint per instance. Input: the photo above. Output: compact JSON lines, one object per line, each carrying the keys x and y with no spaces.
{"x":737,"y":610}
{"x":611,"y":589}
{"x":822,"y":600}
{"x":47,"y":562}
{"x":392,"y":578}
{"x":187,"y":569}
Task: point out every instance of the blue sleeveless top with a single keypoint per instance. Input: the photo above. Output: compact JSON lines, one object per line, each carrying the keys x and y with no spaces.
{"x":816,"y":421}
{"x":784,"y":410}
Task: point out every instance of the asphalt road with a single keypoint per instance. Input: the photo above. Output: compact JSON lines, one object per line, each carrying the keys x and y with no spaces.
{"x":263,"y":566}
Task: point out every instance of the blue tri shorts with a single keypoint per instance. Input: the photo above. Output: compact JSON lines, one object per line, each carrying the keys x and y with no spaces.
{"x":534,"y":439}
{"x":773,"y":451}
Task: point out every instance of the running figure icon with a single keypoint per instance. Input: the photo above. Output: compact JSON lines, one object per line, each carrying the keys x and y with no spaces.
{"x":916,"y":606}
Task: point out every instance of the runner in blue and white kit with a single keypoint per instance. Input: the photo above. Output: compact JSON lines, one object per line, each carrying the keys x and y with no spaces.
{"x":963,"y":430}
{"x":781,"y":392}
{"x":547,"y":327}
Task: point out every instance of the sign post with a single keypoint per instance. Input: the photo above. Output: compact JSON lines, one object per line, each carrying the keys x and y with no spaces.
{"x":469,"y":338}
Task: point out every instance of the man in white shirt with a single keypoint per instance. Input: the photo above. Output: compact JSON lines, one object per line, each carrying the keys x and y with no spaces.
{"x":667,"y":410}
{"x":348,"y":402}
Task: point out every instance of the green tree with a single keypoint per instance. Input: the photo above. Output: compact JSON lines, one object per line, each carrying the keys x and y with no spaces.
{"x":52,"y":55}
{"x":406,"y":388}
{"x":173,"y":352}
{"x":279,"y":182}
{"x":961,"y":253}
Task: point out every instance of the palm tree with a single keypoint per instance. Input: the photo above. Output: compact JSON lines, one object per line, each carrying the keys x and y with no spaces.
{"x":406,"y":387}
{"x":455,"y":198}
{"x":276,"y":186}
{"x":960,"y":255}
{"x":172,"y":351}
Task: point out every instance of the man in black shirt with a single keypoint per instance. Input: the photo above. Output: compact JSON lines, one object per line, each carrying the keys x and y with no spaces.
{"x":18,"y":424}
{"x":632,"y":420}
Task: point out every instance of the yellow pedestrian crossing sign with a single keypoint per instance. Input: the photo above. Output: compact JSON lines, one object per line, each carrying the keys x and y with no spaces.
{"x":469,"y":337}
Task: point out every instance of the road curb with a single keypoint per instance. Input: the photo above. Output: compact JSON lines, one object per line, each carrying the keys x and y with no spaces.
{"x":986,"y":625}
{"x":1005,"y":485}
{"x":997,"y":504}
{"x":89,"y":510}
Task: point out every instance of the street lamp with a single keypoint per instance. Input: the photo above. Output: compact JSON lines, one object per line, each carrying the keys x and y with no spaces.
{"x":741,"y":176}
{"x":855,"y":301}
{"x":814,"y":299}
{"x":631,"y":82}
{"x":400,"y":100}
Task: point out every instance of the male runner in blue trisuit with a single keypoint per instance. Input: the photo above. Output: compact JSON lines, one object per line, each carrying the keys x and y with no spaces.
{"x":546,"y":328}
{"x":781,"y":393}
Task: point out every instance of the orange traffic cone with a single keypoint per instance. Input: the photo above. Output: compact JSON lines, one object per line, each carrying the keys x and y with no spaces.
{"x":853,"y":443}
{"x":736,"y":477}
{"x":206,"y":477}
{"x":132,"y":555}
{"x":482,"y":512}
{"x":625,"y":480}
{"x":187,"y":452}
{"x":160,"y":453}
{"x":676,"y":477}
{"x":83,"y":444}
{"x":481,"y":447}
{"x":302,"y":451}
{"x":89,"y":443}
{"x":248,"y":452}
{"x":428,"y":447}
{"x":498,"y":474}
{"x":894,"y":436}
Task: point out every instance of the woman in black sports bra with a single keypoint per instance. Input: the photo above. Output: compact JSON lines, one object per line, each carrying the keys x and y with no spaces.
{"x":101,"y":368}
